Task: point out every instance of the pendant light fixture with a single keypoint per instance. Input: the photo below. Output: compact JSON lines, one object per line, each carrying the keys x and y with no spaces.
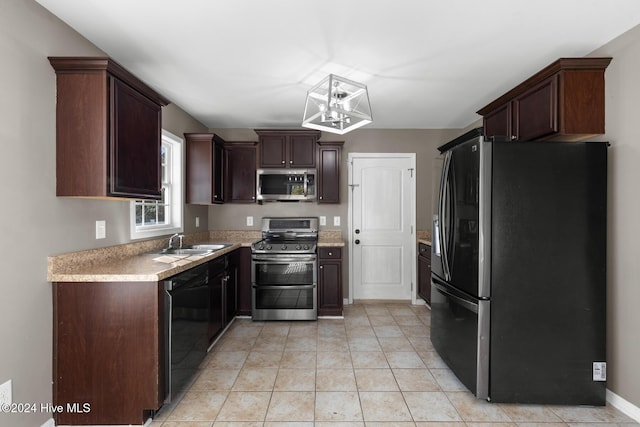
{"x":337,"y":105}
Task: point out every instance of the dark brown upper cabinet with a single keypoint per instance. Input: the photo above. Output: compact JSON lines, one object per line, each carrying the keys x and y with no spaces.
{"x":241,"y":172}
{"x":562,"y":102}
{"x":329,"y":154}
{"x":205,"y":168}
{"x":108,"y":131}
{"x":284,"y":148}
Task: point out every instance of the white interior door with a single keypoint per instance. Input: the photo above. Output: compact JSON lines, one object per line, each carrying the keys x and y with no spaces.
{"x":382,"y":242}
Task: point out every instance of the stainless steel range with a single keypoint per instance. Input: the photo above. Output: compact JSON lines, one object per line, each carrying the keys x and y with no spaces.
{"x":284,"y":270}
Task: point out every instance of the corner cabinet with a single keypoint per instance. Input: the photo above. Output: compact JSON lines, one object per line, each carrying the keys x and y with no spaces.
{"x":329,"y":281}
{"x":205,"y":168}
{"x":108,"y":131}
{"x":329,"y":154}
{"x":564,"y":102}
{"x":287,"y":148}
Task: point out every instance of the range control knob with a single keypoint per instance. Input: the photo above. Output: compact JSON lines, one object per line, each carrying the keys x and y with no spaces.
{"x":306,"y":247}
{"x":283,"y":247}
{"x":298,"y":247}
{"x":260,"y":247}
{"x":268,"y":247}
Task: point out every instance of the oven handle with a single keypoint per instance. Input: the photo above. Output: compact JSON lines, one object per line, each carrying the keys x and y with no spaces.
{"x":271,"y":258}
{"x":296,"y":287}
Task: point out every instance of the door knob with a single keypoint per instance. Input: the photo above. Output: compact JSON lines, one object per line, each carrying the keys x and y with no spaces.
{"x":357,"y":242}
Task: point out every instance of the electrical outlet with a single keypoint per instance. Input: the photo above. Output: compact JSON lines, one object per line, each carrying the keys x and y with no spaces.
{"x":101,"y":229}
{"x":249,"y":221}
{"x":5,"y":393}
{"x":336,"y":221}
{"x":323,"y":220}
{"x":197,"y":221}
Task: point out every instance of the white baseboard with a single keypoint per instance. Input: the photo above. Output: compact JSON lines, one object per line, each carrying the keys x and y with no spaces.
{"x":624,"y":406}
{"x":50,"y":423}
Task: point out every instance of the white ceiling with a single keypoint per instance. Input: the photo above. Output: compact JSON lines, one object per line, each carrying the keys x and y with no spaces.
{"x":427,"y":63}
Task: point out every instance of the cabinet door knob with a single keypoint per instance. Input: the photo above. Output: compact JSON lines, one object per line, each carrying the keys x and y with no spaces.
{"x":330,"y":253}
{"x":283,"y":162}
{"x":290,"y":161}
{"x":357,"y":242}
{"x":321,"y":267}
{"x":320,"y":197}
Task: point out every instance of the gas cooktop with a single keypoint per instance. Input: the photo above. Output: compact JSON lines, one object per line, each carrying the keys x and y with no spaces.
{"x":287,"y":236}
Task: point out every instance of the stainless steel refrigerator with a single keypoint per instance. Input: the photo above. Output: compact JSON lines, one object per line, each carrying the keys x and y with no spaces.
{"x":518,"y":269}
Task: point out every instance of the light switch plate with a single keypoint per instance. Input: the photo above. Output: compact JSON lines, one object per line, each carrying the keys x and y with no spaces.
{"x":197,"y":221}
{"x":323,"y":220}
{"x":336,"y":221}
{"x":101,"y":229}
{"x":249,"y":221}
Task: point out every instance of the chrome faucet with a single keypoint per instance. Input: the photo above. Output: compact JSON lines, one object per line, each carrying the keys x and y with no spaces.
{"x":180,"y":237}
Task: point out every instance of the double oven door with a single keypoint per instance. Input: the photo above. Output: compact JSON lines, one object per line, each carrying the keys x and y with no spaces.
{"x":284,"y":286}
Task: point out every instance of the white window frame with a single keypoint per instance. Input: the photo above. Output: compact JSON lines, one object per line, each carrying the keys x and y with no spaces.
{"x":175,"y":195}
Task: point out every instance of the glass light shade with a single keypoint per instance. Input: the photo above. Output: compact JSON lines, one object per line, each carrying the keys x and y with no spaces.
{"x":337,"y":105}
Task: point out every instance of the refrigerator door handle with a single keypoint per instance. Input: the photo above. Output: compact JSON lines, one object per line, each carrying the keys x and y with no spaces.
{"x":436,"y":236}
{"x":444,"y":220}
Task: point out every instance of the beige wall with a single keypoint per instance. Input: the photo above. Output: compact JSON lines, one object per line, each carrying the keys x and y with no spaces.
{"x":623,"y":253}
{"x":34,"y":223}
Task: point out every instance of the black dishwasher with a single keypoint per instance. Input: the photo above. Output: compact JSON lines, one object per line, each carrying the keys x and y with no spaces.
{"x":187,"y":315}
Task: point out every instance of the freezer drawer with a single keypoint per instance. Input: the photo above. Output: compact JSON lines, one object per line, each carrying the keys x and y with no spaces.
{"x":460,"y":334}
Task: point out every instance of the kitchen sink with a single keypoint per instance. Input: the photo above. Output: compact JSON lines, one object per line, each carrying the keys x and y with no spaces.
{"x":185,"y":251}
{"x":198,"y":249}
{"x":213,"y":247}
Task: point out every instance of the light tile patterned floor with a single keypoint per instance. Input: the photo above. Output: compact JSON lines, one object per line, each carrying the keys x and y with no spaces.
{"x":375,"y":368}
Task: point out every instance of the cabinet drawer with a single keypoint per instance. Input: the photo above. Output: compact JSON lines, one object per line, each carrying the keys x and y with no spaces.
{"x":330,"y":253}
{"x":424,"y":250}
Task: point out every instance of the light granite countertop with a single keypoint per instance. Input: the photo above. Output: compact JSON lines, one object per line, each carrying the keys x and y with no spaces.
{"x":330,"y":238}
{"x":141,"y":262}
{"x":424,"y":236}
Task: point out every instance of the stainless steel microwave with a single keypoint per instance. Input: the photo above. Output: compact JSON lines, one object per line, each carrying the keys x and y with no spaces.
{"x":286,"y":184}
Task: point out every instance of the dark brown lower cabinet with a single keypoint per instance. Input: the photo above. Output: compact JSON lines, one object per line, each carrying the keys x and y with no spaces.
{"x":231,"y":287}
{"x":107,"y":349}
{"x":424,"y":272}
{"x":329,"y":281}
{"x":217,"y":279}
{"x":109,"y":343}
{"x":244,"y":281}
